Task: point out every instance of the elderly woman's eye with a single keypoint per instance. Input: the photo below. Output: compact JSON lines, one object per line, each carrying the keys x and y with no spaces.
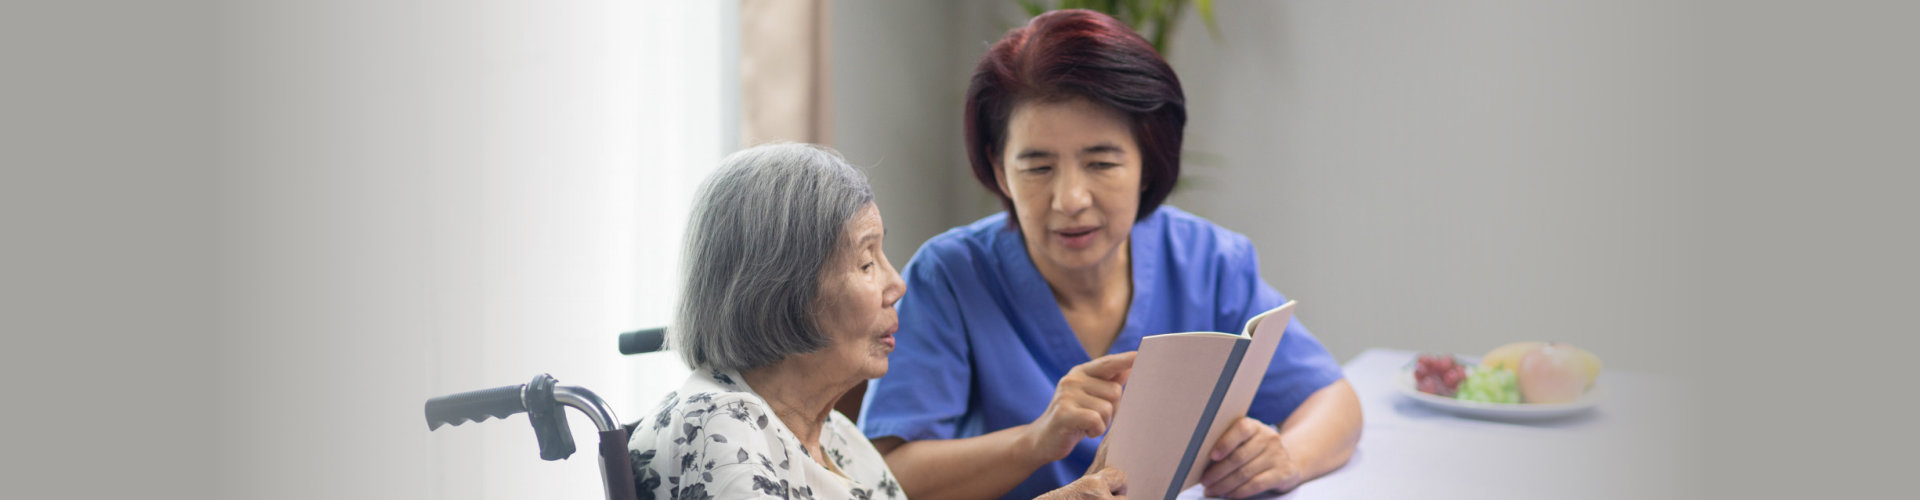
{"x":867,"y":266}
{"x":1104,"y":165}
{"x":1039,"y":170}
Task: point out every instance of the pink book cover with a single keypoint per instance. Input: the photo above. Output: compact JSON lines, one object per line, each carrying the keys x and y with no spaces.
{"x":1184,"y":391}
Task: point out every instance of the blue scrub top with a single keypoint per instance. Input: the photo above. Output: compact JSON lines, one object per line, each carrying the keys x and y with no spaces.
{"x":983,"y":344}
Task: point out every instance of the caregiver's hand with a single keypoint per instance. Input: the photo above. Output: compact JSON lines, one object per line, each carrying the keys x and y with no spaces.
{"x":1249,"y":459}
{"x":1107,"y":483}
{"x":1082,"y":406}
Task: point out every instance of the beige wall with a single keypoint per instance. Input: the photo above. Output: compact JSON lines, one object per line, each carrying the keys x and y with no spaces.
{"x":894,"y":92}
{"x":1453,"y":177}
{"x":1418,"y":176}
{"x":106,"y":309}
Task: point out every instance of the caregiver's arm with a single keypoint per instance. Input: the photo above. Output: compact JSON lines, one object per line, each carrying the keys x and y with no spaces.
{"x":1321,"y":434}
{"x":992,"y":464}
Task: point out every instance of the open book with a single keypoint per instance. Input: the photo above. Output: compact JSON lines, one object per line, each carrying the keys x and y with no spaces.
{"x":1185,"y":390}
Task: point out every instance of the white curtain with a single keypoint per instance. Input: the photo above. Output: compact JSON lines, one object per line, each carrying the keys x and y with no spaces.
{"x":426,"y":197}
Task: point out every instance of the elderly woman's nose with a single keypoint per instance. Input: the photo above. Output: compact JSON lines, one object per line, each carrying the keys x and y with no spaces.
{"x":896,"y":286}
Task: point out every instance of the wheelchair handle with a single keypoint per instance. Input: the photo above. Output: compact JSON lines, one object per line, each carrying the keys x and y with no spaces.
{"x":642,"y":341}
{"x":475,"y":406}
{"x":541,"y":400}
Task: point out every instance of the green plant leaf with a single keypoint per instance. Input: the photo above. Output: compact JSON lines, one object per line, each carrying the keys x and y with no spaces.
{"x":1154,"y":20}
{"x":1206,"y":15}
{"x":1032,"y":7}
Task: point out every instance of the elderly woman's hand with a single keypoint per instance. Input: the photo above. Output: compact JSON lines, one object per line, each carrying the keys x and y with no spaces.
{"x":1082,"y":406}
{"x":1107,"y":483}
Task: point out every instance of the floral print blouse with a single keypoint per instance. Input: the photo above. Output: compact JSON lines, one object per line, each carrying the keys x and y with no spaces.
{"x":715,"y":438}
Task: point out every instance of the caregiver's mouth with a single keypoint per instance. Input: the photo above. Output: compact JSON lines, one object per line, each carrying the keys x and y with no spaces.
{"x":1077,"y":238}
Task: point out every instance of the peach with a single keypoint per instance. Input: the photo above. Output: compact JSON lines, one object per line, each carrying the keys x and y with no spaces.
{"x":1552,"y":373}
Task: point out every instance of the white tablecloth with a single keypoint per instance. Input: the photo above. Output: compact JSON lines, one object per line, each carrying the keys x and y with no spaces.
{"x":1641,"y":441}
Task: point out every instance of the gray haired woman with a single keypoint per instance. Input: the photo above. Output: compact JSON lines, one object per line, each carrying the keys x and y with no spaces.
{"x":787,"y":303}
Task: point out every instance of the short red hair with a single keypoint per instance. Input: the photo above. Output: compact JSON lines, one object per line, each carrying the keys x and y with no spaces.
{"x":1068,"y":54}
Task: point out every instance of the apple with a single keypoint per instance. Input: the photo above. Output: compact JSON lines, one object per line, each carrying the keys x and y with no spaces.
{"x":1553,"y":373}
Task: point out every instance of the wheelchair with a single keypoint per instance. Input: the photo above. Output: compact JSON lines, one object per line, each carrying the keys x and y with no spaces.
{"x":542,"y":400}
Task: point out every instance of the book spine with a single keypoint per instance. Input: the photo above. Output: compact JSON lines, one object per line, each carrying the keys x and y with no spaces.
{"x":1206,"y":418}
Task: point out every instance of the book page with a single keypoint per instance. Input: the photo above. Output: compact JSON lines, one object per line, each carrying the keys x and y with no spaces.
{"x":1172,"y":381}
{"x":1265,"y":330}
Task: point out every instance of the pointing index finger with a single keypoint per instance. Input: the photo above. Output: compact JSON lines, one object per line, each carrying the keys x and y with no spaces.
{"x":1111,"y":366}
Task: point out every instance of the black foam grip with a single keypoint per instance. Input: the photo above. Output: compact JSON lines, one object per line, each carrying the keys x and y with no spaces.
{"x":642,"y":341}
{"x":474,"y":406}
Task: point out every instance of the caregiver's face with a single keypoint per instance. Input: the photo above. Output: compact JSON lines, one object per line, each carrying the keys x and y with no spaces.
{"x":1073,"y":171}
{"x":858,"y":288}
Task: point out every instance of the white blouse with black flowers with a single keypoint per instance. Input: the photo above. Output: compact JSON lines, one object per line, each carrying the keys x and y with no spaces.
{"x":717,"y":439}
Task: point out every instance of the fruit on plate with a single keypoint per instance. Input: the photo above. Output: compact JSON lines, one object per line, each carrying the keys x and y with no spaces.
{"x":1489,"y":385}
{"x":1588,"y":360}
{"x":1509,"y":357}
{"x":1554,"y":373}
{"x":1439,"y":374}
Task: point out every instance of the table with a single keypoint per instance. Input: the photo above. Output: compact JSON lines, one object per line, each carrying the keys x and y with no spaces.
{"x":1641,"y":441}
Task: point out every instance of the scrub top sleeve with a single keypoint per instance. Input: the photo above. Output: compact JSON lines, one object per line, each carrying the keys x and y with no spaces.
{"x":1300,"y":366}
{"x":929,"y":377}
{"x":1242,"y":293}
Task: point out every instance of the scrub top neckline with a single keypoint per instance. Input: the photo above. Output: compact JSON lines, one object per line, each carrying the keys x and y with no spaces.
{"x":1031,"y":289}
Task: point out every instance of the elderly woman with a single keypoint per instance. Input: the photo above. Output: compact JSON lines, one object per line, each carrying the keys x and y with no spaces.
{"x":1017,"y":329}
{"x":787,"y":304}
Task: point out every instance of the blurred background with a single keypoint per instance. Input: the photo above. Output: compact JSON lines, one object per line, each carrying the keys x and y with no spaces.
{"x":259,"y":234}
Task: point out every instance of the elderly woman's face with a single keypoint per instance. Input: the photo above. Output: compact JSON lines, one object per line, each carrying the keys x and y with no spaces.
{"x":858,"y":288}
{"x":1073,"y":171}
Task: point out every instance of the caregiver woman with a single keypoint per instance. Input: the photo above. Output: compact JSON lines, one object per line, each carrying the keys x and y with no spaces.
{"x":1017,"y":330}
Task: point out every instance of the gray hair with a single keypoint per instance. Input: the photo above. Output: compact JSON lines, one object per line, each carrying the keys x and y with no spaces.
{"x":762,"y":228}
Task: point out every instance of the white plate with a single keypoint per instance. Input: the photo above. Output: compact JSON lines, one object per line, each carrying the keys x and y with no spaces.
{"x":1493,"y":411}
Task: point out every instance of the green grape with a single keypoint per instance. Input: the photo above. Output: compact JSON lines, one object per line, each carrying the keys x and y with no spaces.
{"x":1489,"y":386}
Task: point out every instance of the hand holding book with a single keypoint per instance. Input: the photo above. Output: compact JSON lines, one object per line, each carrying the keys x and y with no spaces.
{"x":1190,"y":393}
{"x":1248,"y":459}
